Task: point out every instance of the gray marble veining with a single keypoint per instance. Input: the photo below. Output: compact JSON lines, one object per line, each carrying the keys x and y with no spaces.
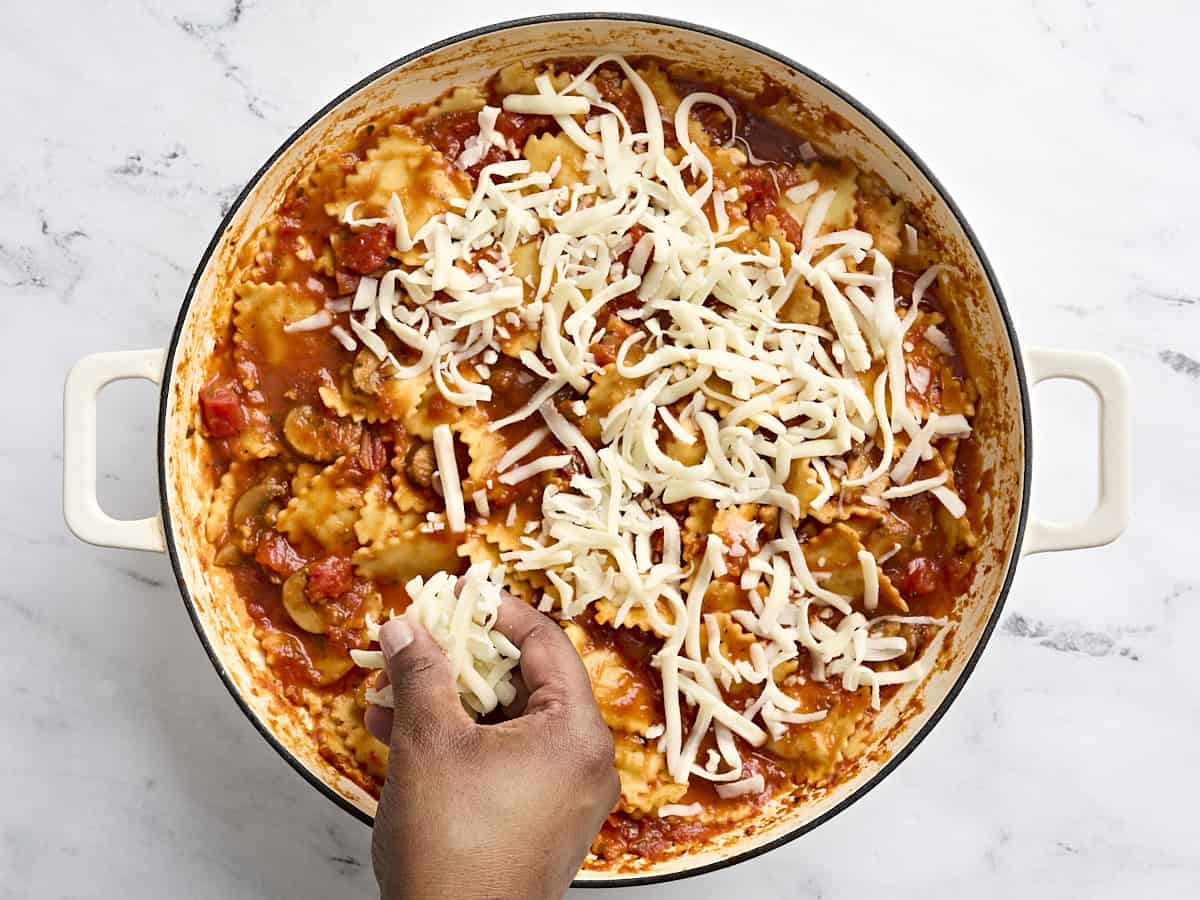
{"x":1065,"y":130}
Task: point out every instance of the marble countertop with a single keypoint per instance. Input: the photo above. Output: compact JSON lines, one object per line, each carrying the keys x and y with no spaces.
{"x":1066,"y":132}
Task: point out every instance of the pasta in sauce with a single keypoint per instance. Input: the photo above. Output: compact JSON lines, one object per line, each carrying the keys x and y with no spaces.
{"x":650,"y":359}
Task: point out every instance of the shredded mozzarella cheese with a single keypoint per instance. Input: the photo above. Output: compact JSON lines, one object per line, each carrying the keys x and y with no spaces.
{"x":679,"y":810}
{"x":447,"y":467}
{"x":319,"y":320}
{"x":461,"y":620}
{"x":789,"y":395}
{"x":755,"y":784}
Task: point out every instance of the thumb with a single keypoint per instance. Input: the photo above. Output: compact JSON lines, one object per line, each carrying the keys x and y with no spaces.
{"x":425,"y":700}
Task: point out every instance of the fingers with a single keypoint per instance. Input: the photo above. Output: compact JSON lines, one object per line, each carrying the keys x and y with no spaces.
{"x":425,"y":700}
{"x":520,"y":697}
{"x":378,"y":719}
{"x":379,"y":722}
{"x":550,"y":667}
{"x":571,"y":727}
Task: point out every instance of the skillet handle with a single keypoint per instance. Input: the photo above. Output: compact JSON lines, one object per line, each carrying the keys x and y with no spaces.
{"x":1111,"y":385}
{"x":81,"y":507}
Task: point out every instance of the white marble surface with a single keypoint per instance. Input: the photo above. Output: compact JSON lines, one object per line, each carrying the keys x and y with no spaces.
{"x":1068,"y":133}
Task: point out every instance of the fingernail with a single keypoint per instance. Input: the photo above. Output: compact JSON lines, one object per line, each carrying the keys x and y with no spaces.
{"x":394,"y":636}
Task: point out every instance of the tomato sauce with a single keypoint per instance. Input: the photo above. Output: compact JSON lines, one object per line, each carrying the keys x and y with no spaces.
{"x":449,"y":133}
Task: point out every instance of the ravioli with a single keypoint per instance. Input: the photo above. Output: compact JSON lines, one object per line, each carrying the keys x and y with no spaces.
{"x":711,"y":335}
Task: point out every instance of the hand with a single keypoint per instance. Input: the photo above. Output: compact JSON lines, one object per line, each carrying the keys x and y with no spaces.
{"x":498,"y":811}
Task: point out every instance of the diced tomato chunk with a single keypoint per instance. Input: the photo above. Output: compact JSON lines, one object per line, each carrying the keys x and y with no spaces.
{"x":347,"y":282}
{"x":611,"y":84}
{"x":451,"y":131}
{"x":520,"y":127}
{"x":221,"y":408}
{"x":275,"y":553}
{"x":790,"y":226}
{"x":615,"y":333}
{"x":368,"y":250}
{"x":372,"y":454}
{"x":330,"y":577}
{"x":289,"y":226}
{"x":760,"y":190}
{"x":292,"y":213}
{"x":921,"y":577}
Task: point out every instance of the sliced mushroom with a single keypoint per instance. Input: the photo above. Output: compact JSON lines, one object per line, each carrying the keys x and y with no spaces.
{"x":316,"y":436}
{"x":365,"y":374}
{"x":421,"y":464}
{"x":331,"y":663}
{"x":254,"y":502}
{"x":229,"y":555}
{"x":302,"y":610}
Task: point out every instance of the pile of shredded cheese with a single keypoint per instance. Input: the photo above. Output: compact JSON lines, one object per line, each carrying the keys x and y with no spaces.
{"x":460,"y":620}
{"x":708,"y":315}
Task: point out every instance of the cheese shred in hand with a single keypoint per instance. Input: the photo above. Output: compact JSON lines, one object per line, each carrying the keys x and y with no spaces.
{"x":461,"y":621}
